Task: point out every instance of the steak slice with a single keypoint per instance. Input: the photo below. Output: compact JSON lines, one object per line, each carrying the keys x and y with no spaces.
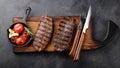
{"x":43,"y":34}
{"x":63,"y":34}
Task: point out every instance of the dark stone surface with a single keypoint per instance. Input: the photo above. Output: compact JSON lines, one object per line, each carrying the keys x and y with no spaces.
{"x":105,"y":57}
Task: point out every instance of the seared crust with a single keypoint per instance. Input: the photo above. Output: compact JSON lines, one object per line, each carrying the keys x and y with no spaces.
{"x":64,"y":33}
{"x":43,"y":34}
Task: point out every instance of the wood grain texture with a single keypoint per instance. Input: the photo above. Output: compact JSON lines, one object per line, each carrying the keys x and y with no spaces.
{"x":32,"y":22}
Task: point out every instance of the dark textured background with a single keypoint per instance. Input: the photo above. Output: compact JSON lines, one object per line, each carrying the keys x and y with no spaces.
{"x":106,"y":57}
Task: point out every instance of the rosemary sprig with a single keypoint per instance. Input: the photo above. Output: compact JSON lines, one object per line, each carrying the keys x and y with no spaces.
{"x":28,"y":31}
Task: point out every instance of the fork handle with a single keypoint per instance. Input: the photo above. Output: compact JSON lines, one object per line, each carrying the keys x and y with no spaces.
{"x":75,"y":43}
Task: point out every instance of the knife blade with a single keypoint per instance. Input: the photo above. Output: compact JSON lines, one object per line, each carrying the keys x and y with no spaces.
{"x":87,"y":20}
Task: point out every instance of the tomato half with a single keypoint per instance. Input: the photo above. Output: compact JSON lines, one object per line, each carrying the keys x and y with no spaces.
{"x":18,"y":28}
{"x":22,"y":39}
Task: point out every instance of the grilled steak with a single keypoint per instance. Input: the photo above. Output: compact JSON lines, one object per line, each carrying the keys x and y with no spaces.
{"x":43,"y":34}
{"x":63,"y":34}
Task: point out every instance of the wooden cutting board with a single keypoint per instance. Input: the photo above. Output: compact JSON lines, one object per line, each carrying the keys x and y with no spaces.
{"x":33,"y":22}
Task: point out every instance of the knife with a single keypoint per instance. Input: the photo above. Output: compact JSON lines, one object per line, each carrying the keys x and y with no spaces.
{"x":80,"y":43}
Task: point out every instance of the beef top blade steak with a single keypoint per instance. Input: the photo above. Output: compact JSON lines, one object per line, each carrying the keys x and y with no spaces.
{"x":43,"y":34}
{"x":63,"y":34}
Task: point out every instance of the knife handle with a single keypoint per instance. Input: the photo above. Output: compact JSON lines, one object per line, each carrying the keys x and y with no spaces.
{"x":80,"y":43}
{"x":75,"y":43}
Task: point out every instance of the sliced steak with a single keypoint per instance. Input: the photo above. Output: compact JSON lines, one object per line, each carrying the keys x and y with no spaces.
{"x":63,"y":34}
{"x":43,"y":34}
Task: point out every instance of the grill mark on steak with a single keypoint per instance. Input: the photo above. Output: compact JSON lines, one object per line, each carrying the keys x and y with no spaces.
{"x":48,"y":27}
{"x":47,"y":17}
{"x":60,"y":48}
{"x":39,"y":36}
{"x":63,"y":34}
{"x":59,"y":41}
{"x":38,"y":39}
{"x":38,"y":46}
{"x":62,"y":38}
{"x":46,"y":21}
{"x":43,"y":33}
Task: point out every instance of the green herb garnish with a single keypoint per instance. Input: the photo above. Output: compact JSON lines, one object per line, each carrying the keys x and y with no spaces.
{"x":28,"y":31}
